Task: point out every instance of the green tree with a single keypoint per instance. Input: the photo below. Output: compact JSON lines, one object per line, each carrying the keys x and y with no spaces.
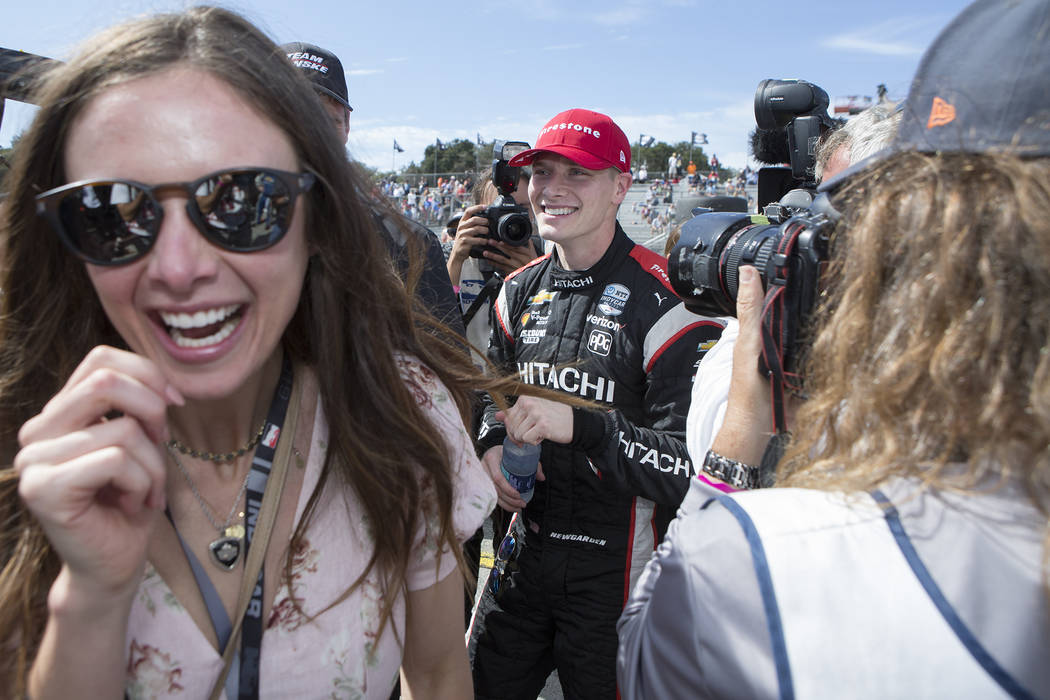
{"x":456,"y":156}
{"x":655,"y":157}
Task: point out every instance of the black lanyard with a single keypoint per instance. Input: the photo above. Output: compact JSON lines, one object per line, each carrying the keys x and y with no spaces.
{"x":262,"y":462}
{"x":251,"y":628}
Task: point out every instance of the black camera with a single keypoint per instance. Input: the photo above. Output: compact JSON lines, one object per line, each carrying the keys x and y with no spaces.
{"x":800,"y":109}
{"x":509,"y":221}
{"x":789,"y":255}
{"x":788,"y":243}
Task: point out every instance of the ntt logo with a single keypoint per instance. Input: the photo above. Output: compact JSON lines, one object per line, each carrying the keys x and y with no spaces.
{"x":576,"y":127}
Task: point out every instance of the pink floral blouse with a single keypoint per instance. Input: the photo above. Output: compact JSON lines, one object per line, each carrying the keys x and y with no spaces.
{"x":336,"y":654}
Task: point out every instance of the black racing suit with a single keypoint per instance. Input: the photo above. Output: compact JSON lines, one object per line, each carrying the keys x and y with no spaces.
{"x":615,"y":334}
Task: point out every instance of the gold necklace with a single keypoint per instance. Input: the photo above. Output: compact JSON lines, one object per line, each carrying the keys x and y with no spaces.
{"x":218,"y":457}
{"x":227,"y":547}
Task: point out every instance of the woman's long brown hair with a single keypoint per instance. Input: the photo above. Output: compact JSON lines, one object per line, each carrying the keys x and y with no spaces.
{"x":933,"y":352}
{"x":354,"y":313}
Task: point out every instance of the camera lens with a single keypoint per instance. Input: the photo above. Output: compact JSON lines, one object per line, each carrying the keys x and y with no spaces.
{"x":514,"y":229}
{"x":751,"y":246}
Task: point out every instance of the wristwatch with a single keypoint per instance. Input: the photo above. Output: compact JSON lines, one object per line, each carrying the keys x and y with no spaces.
{"x":736,"y":474}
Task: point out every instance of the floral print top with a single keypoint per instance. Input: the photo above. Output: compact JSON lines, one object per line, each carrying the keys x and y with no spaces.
{"x":337,"y":653}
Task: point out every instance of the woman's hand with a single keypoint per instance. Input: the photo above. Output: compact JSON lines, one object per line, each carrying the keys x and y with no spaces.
{"x":472,"y":231}
{"x":748,"y":423}
{"x":96,"y":484}
{"x":510,"y":257}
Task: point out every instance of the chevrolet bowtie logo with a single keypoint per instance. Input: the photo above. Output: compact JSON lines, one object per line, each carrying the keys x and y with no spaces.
{"x":942,"y":113}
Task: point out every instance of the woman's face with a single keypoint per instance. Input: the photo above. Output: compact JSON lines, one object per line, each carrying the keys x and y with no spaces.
{"x":209,"y":318}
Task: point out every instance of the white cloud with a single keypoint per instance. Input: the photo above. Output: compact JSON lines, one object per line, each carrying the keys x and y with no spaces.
{"x":628,"y":14}
{"x":898,"y":36}
{"x":727,"y":127}
{"x":864,"y":44}
{"x":364,"y":71}
{"x":563,"y":47}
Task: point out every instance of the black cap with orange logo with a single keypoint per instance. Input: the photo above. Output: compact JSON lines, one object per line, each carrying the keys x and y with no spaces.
{"x":983,"y":86}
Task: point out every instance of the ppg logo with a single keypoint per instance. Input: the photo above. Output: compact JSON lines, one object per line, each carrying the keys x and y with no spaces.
{"x":600,"y":343}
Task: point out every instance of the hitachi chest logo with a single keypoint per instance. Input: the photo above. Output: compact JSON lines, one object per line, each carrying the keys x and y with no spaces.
{"x":571,"y":380}
{"x":576,"y":283}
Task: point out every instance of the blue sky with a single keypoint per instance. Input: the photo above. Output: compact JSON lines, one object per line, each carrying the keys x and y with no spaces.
{"x":420,"y":71}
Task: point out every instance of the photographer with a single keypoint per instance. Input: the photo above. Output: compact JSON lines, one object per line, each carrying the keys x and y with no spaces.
{"x":476,"y":280}
{"x":860,"y":137}
{"x":910,"y":557}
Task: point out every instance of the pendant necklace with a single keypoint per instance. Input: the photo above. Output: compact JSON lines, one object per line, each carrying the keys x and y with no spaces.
{"x":227,"y":547}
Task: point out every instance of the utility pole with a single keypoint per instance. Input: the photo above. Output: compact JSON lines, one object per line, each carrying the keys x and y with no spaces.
{"x":437,"y":152}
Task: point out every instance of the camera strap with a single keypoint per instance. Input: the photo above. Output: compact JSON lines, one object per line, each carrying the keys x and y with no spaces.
{"x":774,"y":336}
{"x":481,"y":300}
{"x":771,"y":361}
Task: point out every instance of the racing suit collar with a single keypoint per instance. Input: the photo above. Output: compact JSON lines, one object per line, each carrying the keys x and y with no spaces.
{"x":578,"y":280}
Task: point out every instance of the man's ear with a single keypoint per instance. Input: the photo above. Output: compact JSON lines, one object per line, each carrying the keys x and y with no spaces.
{"x":623,"y":185}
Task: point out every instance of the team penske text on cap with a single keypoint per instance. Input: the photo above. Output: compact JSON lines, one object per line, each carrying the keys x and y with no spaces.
{"x":322,"y":68}
{"x":587,"y":138}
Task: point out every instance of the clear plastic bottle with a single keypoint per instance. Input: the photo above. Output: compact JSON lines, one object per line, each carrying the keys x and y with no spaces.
{"x":519,"y":466}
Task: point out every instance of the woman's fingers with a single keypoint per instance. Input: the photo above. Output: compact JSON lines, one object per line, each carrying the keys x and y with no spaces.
{"x":95,"y":510}
{"x":749,"y":312}
{"x":126,"y":386}
{"x":137,"y":366}
{"x":61,"y":494}
{"x":125,"y":434}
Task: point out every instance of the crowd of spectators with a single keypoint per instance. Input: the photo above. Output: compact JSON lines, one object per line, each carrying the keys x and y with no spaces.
{"x":429,"y":204}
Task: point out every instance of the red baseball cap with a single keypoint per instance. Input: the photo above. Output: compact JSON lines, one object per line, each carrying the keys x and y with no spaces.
{"x":587,"y":138}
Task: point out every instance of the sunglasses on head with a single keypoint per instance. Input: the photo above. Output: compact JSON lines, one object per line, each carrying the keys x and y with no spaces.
{"x":115,"y":222}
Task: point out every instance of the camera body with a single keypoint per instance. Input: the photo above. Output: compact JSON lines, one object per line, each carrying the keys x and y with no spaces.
{"x":509,"y":222}
{"x":800,"y":109}
{"x":704,"y":267}
{"x":788,"y":243}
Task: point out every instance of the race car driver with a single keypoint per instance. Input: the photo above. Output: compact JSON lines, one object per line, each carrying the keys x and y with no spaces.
{"x":595,"y":318}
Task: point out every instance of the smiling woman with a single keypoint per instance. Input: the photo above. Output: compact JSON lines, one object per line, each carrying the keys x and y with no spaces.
{"x":205,"y":357}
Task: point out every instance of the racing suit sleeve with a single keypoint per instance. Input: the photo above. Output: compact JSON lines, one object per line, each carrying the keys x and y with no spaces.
{"x":649,"y":458}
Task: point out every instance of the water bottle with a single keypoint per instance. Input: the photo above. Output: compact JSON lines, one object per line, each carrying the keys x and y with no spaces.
{"x":519,"y":466}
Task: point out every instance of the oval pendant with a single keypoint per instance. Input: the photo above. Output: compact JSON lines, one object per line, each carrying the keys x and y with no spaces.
{"x":225,"y":551}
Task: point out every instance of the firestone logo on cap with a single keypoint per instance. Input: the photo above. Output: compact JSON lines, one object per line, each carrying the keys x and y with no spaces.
{"x":587,"y":138}
{"x":569,"y":125}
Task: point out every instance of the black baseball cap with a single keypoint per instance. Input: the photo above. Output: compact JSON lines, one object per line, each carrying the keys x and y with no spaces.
{"x":322,"y":68}
{"x":983,"y":86}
